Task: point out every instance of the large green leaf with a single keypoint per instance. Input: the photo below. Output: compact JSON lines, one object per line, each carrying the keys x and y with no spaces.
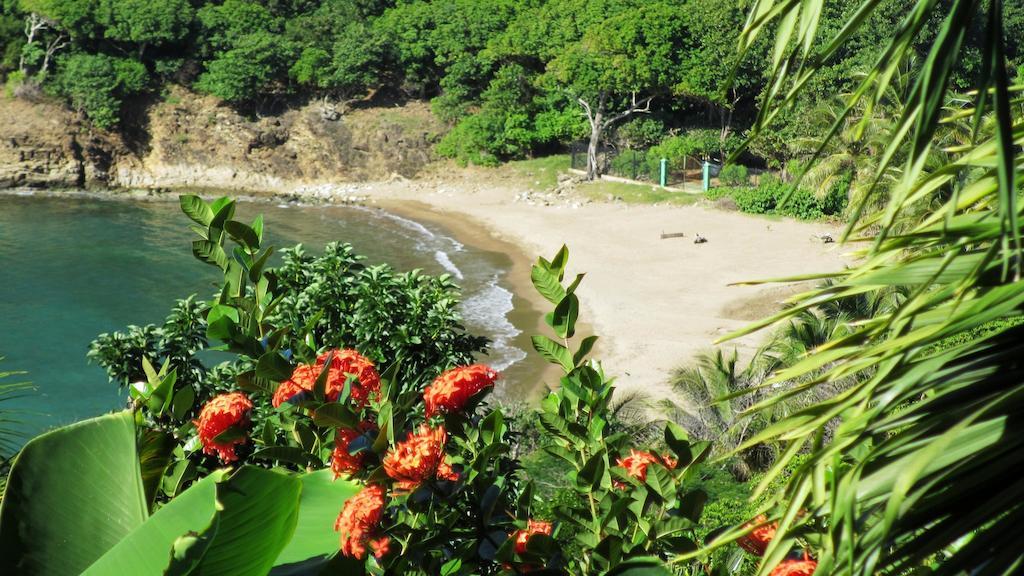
{"x":321,"y":501}
{"x":73,"y":494}
{"x":147,"y":549}
{"x":260,"y":510}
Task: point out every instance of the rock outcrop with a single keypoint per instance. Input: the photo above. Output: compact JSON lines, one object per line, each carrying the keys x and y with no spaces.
{"x":194,"y":141}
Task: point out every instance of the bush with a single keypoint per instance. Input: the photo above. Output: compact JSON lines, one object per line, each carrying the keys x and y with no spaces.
{"x":97,"y":84}
{"x":767,"y":198}
{"x":734,"y":175}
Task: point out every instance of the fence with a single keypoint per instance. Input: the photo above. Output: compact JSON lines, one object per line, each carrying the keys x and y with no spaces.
{"x":638,"y":165}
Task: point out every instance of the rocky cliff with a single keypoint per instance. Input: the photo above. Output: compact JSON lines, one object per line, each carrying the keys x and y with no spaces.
{"x":187,"y":140}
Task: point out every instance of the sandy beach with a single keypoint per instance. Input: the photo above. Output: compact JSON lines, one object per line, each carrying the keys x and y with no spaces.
{"x":654,"y":302}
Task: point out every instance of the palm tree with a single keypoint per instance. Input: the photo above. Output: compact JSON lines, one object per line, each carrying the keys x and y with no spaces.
{"x":10,"y":436}
{"x":924,"y":466}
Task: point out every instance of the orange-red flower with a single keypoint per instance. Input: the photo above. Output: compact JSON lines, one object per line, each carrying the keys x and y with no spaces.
{"x":219,"y":414}
{"x":533,"y":527}
{"x":637,"y":462}
{"x":344,"y":363}
{"x":380,"y":546}
{"x":359,"y":523}
{"x":446,"y":472}
{"x":756,"y":542}
{"x":450,"y":391}
{"x":417,"y":458}
{"x":791,"y":567}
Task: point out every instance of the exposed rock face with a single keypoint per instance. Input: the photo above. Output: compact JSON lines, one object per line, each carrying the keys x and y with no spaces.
{"x":41,"y":146}
{"x":195,"y":141}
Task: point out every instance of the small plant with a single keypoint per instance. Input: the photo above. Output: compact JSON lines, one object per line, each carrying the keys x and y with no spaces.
{"x":734,"y":175}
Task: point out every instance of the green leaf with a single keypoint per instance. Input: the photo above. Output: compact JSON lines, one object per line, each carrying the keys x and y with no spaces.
{"x":259,"y":514}
{"x":145,"y":550}
{"x":210,"y":252}
{"x":563,"y":319}
{"x":223,"y":209}
{"x":272,"y":366}
{"x":183,"y":401}
{"x":646,"y":566}
{"x":335,"y":415}
{"x":547,"y":284}
{"x":156,"y":449}
{"x":243,"y":234}
{"x":72,"y":494}
{"x":320,"y":503}
{"x":679,"y":442}
{"x":196,"y":208}
{"x":289,"y":454}
{"x":586,"y":345}
{"x":553,"y":352}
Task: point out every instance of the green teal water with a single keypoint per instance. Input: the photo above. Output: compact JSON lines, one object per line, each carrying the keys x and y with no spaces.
{"x":73,"y":267}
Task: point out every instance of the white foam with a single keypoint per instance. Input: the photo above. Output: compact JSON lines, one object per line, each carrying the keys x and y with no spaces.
{"x":442,"y":258}
{"x":490,"y":307}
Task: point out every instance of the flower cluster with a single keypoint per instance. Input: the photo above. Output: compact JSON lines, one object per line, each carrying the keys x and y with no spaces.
{"x":343,"y":461}
{"x":795,"y":567}
{"x":420,"y":458}
{"x":533,"y":527}
{"x":757,"y":540}
{"x":220,"y":414}
{"x":340,"y":364}
{"x":637,"y":462}
{"x":359,"y":524}
{"x":450,"y":391}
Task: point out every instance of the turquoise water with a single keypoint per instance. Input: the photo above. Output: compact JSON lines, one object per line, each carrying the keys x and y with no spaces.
{"x":73,"y":267}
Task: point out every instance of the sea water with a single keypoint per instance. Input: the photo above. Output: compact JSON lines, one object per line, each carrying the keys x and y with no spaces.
{"x":74,"y":266}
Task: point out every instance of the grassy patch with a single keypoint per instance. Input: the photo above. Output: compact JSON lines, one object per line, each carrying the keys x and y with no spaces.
{"x":537,"y":173}
{"x":604,"y":190}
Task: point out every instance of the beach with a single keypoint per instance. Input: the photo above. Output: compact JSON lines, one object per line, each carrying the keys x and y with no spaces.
{"x":655,"y":303}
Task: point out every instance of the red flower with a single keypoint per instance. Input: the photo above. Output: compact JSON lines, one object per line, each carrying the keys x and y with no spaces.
{"x":533,"y":527}
{"x":220,"y":413}
{"x":417,"y":458}
{"x":344,"y":363}
{"x":359,"y":522}
{"x":446,"y":472}
{"x":756,"y":542}
{"x":804,"y":567}
{"x":450,"y":391}
{"x":380,"y":546}
{"x":636,"y":463}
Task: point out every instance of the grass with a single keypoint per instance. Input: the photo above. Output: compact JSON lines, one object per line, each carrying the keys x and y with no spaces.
{"x":538,"y":173}
{"x":603,"y":190}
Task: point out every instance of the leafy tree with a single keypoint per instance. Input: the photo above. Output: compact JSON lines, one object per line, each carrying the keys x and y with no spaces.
{"x":97,"y":85}
{"x":145,"y":23}
{"x":249,"y":71}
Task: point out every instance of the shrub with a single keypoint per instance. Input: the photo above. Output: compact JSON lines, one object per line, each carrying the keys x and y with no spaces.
{"x":773,"y":196}
{"x":734,"y":175}
{"x":97,"y":84}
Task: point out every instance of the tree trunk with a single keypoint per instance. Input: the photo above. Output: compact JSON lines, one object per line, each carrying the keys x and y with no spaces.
{"x":596,"y":118}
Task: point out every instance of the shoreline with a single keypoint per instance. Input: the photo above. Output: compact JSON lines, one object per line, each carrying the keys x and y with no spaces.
{"x":654,"y":303}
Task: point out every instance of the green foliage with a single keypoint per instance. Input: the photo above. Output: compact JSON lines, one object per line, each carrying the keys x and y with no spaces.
{"x":42,"y":530}
{"x":734,"y":175}
{"x":410,"y":320}
{"x":97,"y":85}
{"x":145,"y":23}
{"x":773,"y":196}
{"x":248,"y":70}
{"x":9,"y":418}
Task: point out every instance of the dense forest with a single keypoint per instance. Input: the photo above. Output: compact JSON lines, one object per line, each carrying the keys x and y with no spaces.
{"x":513,"y":78}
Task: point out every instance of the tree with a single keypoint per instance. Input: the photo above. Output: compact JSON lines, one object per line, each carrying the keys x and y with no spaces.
{"x":146,"y":23}
{"x":618,"y":66}
{"x":97,"y":84}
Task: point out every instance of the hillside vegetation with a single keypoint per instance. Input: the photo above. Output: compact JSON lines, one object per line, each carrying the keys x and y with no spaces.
{"x":513,"y":78}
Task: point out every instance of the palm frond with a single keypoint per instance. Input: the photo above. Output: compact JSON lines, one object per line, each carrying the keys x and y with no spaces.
{"x":928,"y":435}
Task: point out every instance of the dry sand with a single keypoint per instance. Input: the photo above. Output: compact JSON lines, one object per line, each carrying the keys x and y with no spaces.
{"x":655,"y":303}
